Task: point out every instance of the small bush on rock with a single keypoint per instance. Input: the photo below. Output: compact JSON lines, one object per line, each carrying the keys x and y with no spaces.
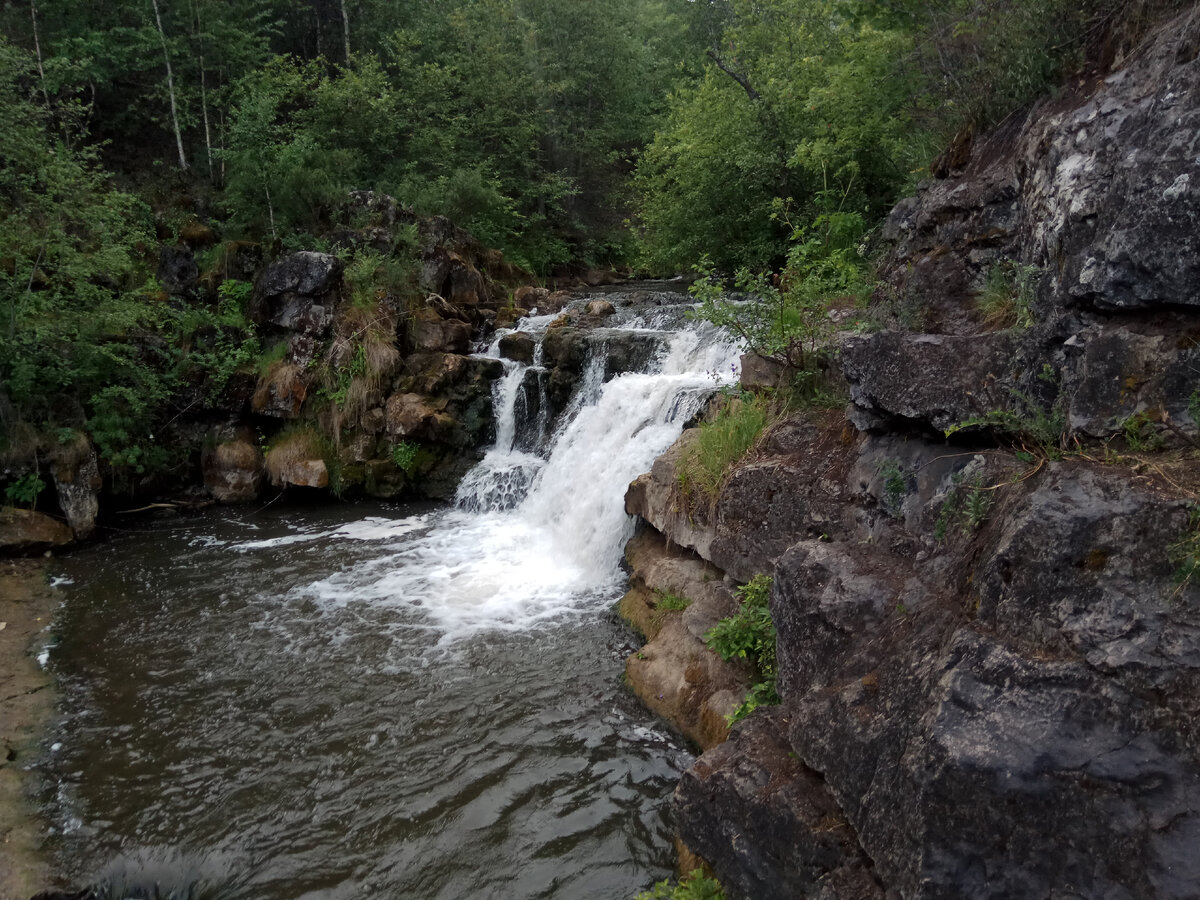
{"x":665,"y":600}
{"x":693,"y":887}
{"x":1006,"y":300}
{"x":750,"y":635}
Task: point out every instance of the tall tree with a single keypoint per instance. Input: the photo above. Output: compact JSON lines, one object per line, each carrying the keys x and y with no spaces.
{"x":346,"y":30}
{"x":183,"y":164}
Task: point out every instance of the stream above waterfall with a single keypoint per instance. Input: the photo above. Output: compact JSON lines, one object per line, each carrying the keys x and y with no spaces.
{"x":384,"y":699}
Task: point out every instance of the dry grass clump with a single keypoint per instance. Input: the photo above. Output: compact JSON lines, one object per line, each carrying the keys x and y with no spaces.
{"x":282,"y":383}
{"x":293,"y":447}
{"x":362,"y":359}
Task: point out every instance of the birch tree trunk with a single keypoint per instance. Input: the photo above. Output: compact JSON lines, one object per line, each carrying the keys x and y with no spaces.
{"x":346,"y":31}
{"x":37,"y":46}
{"x":203,"y":90}
{"x":170,"y":86}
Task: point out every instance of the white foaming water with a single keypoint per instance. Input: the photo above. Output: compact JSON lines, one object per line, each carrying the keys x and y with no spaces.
{"x":535,"y":538}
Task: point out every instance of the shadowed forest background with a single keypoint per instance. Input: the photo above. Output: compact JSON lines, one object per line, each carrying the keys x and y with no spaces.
{"x":648,"y":135}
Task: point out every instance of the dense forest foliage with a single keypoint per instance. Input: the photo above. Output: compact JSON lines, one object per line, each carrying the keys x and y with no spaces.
{"x":653,"y":134}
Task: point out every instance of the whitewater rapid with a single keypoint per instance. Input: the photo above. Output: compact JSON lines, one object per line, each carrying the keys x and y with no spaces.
{"x":538,"y":534}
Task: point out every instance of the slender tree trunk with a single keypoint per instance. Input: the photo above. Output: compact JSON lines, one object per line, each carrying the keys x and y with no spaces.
{"x":346,"y":30}
{"x":270,"y":205}
{"x":37,"y":46}
{"x":170,"y":87}
{"x":203,"y":91}
{"x":221,"y":129}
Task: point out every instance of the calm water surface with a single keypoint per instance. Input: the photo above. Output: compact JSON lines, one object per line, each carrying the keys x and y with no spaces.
{"x":244,"y":717}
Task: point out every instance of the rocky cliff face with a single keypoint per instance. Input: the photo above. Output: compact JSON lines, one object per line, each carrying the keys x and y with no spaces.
{"x":989,"y":647}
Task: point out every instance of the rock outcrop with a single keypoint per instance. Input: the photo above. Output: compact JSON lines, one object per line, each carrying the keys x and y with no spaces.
{"x":234,"y":469}
{"x":77,"y":483}
{"x":988,"y":648}
{"x":25,"y":531}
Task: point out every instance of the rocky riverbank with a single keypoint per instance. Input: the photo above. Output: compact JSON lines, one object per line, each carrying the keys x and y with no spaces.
{"x":984,"y":570}
{"x":26,"y":703}
{"x":360,"y":378}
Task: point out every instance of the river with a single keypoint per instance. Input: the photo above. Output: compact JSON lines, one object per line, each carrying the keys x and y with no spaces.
{"x":359,"y":700}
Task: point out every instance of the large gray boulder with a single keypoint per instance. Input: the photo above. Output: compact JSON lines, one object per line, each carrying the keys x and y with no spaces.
{"x":1095,"y":187}
{"x":298,"y":292}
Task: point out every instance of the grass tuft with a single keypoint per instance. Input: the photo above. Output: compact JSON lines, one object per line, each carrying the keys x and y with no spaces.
{"x":721,"y":444}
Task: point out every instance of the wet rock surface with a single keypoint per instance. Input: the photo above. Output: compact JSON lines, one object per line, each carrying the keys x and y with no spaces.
{"x":234,"y":470}
{"x":77,"y":483}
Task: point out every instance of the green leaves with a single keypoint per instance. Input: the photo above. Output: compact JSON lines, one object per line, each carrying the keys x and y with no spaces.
{"x":750,"y":635}
{"x":695,"y":886}
{"x":786,"y":317}
{"x":24,"y":491}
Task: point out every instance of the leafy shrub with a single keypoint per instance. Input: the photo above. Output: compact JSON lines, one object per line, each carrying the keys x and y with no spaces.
{"x":404,"y":456}
{"x":24,"y":491}
{"x":233,"y":295}
{"x":749,"y":635}
{"x":695,"y":886}
{"x":787,"y":317}
{"x":1140,"y":434}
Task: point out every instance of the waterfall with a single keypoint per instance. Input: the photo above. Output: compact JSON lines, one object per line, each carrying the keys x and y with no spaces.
{"x":538,"y":531}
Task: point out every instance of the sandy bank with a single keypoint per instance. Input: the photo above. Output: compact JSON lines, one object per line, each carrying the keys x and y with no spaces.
{"x":26,"y":702}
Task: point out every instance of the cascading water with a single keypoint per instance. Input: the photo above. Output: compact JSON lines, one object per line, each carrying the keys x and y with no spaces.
{"x":283,"y":705}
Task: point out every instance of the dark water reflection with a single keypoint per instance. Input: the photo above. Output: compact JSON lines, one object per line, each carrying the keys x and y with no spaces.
{"x":228,"y":733}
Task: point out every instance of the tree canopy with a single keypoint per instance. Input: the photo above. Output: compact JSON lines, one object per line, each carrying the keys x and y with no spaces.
{"x":653,"y":134}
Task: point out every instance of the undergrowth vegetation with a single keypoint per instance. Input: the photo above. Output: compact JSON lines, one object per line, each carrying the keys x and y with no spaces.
{"x":965,"y":508}
{"x":1006,"y":300}
{"x":721,"y":443}
{"x":786,"y":317}
{"x":1185,"y":552}
{"x":669,"y":602}
{"x":1035,"y":426}
{"x":695,"y":886}
{"x":749,"y":635}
